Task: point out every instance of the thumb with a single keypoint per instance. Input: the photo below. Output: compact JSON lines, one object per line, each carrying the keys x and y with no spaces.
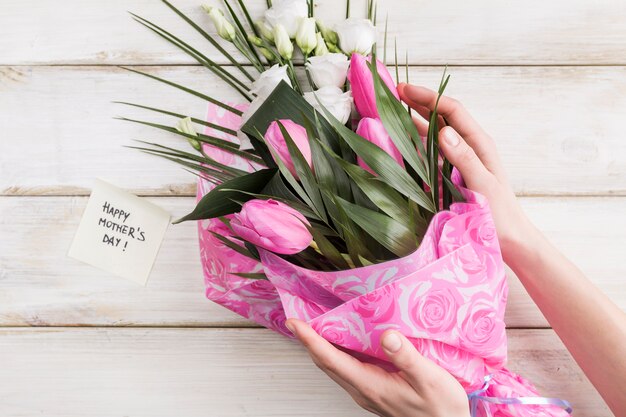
{"x":463,"y":157}
{"x":406,"y":358}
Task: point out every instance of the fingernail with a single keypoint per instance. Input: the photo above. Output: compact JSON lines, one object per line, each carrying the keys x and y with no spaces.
{"x":291,"y":327}
{"x":451,"y":137}
{"x":409,"y":90}
{"x":392,"y":342}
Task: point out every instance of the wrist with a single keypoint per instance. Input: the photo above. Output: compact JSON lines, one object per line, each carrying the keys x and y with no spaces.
{"x":524,"y":240}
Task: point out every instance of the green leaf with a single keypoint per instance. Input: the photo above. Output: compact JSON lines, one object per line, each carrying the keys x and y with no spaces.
{"x":217,"y":69}
{"x":354,"y":237}
{"x":187,"y":90}
{"x":304,"y":173}
{"x":211,"y":140}
{"x":339,"y":182}
{"x":217,"y":203}
{"x":234,"y":246}
{"x":181,"y":116}
{"x":327,"y":249}
{"x":383,"y":196}
{"x":295,"y":204}
{"x":250,"y":275}
{"x":211,"y":175}
{"x":392,"y":234}
{"x":202,"y":159}
{"x":243,"y":35}
{"x":384,"y":165}
{"x":285,"y":103}
{"x":211,"y":40}
{"x":395,"y":118}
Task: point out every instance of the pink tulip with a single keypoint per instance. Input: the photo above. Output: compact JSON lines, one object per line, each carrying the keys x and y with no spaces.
{"x":272,"y":225}
{"x":274,"y":138}
{"x":374,"y":131}
{"x":362,"y":84}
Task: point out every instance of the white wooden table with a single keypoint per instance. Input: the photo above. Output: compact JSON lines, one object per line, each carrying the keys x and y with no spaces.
{"x":546,"y":78}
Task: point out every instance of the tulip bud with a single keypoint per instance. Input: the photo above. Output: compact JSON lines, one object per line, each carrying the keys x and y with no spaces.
{"x":272,"y":225}
{"x":320,"y":48}
{"x":305,"y":36}
{"x":185,"y":126}
{"x":265,"y":30}
{"x":223,"y":26}
{"x":362,"y":84}
{"x":275,"y":139}
{"x":283,"y":43}
{"x":374,"y":131}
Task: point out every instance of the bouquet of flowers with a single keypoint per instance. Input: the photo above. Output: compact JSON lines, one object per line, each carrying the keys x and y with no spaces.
{"x":318,"y":199}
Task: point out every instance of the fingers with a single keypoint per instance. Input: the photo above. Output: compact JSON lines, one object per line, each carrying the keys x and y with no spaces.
{"x":455,"y":114}
{"x":463,"y":157}
{"x":337,"y":364}
{"x":406,"y":358}
{"x":452,"y":110}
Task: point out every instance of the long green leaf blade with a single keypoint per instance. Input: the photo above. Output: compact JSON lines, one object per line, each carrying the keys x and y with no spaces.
{"x":187,"y":90}
{"x":392,"y":234}
{"x":217,"y":203}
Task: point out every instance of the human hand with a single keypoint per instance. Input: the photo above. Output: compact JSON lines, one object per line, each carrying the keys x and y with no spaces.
{"x":470,"y":149}
{"x":420,"y":389}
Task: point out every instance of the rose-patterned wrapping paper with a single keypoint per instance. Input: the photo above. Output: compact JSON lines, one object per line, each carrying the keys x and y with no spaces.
{"x":448,"y":297}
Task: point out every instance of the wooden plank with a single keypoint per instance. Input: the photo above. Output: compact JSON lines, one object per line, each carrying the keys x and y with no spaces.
{"x":215,"y":372}
{"x":40,"y":286}
{"x":454,"y":32}
{"x":558,"y":129}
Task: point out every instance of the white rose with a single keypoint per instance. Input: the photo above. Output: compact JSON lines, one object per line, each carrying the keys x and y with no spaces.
{"x":333,"y":99}
{"x":268,"y":80}
{"x":328,"y":70}
{"x":287,"y":13}
{"x":356,"y":35}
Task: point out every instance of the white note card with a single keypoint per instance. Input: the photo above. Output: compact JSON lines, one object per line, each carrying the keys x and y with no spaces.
{"x":120,"y":233}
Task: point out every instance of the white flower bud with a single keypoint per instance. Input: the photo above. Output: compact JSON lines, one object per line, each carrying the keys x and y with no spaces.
{"x":329,"y":35}
{"x":265,"y":30}
{"x":185,"y":126}
{"x":223,"y":26}
{"x":305,"y":36}
{"x":282,"y":41}
{"x":328,"y":70}
{"x":255,"y":40}
{"x":288,"y":14}
{"x":334,"y":100}
{"x":267,"y":54}
{"x":356,"y":36}
{"x":320,"y":48}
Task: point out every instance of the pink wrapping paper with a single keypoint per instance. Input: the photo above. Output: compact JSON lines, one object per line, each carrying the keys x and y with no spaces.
{"x":448,"y":297}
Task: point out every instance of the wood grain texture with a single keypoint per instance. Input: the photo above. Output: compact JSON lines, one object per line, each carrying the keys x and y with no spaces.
{"x":558,"y":129}
{"x":215,"y":372}
{"x":483,"y":32}
{"x":40,"y":286}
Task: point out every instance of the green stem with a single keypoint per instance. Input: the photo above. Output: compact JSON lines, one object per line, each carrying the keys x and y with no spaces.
{"x":308,"y":74}
{"x":294,"y":78}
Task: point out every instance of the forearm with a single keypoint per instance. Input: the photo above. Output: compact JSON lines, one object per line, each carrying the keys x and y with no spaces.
{"x":590,"y":325}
